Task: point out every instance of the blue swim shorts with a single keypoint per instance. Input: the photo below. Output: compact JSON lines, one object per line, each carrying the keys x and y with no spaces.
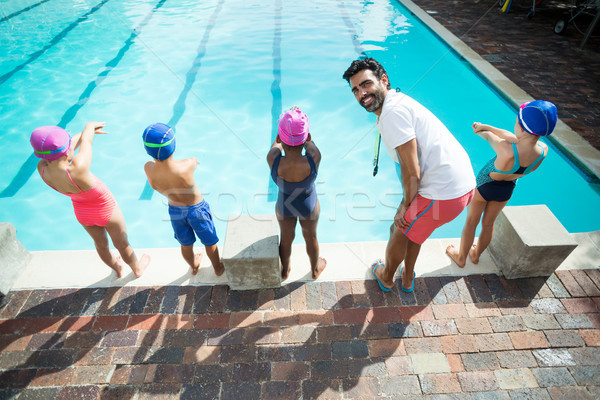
{"x":189,"y":219}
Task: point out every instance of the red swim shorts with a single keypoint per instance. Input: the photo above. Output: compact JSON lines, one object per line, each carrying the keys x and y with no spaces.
{"x":426,"y":215}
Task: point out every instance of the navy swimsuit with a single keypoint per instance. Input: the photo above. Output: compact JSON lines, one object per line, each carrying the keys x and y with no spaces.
{"x":492,"y":190}
{"x":296,"y":199}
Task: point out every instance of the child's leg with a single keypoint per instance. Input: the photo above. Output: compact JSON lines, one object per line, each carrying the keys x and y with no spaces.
{"x":213,"y":254}
{"x":476,"y":208}
{"x":192,"y":259}
{"x":118,"y":233}
{"x":98,"y":233}
{"x":309,"y":231}
{"x":287,"y":226}
{"x":492,"y":210}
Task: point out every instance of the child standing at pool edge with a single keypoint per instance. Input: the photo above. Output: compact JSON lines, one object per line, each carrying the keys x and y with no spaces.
{"x":295,"y":176}
{"x":497,"y":179}
{"x":94,"y":205}
{"x":188,"y":211}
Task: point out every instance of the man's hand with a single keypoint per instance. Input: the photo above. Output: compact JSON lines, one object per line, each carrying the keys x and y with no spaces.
{"x":399,"y":220}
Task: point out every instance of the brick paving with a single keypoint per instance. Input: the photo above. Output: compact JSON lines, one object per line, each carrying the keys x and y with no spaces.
{"x":546,"y":65}
{"x":307,"y":340}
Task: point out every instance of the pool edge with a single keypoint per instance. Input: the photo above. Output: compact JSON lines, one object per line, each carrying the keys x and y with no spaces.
{"x":575,"y":147}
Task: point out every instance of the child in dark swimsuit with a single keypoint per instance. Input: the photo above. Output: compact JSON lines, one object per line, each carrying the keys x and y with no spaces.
{"x":517,"y":155}
{"x":295,"y":176}
{"x":94,"y":205}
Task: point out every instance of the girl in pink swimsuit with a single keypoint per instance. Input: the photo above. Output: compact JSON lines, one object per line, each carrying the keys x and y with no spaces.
{"x":94,"y":205}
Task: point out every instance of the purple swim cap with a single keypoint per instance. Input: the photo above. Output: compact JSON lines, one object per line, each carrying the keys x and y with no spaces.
{"x":50,"y":142}
{"x":293,"y":127}
{"x":538,"y":117}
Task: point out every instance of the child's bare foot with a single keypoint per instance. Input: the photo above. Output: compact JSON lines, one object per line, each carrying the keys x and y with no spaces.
{"x":118,"y":266}
{"x":220,"y":268}
{"x":197,"y":259}
{"x":321,"y":264}
{"x":455,"y":256}
{"x":473,"y":254}
{"x":285,"y":272}
{"x":142,"y":264}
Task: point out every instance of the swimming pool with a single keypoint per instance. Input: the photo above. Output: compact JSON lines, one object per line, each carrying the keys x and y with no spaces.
{"x":221,"y":72}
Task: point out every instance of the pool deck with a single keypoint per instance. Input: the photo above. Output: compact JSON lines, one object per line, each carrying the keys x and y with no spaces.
{"x":70,"y":329}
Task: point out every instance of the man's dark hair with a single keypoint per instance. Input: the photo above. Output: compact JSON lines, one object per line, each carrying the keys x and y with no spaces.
{"x":365,"y":63}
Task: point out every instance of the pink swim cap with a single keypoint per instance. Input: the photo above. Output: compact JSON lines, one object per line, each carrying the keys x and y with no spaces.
{"x":293,"y":127}
{"x":50,"y":142}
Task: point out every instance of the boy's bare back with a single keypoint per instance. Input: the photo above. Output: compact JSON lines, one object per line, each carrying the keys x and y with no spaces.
{"x":174,"y":179}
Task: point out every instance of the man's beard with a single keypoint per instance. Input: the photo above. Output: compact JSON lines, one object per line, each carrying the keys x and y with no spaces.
{"x":378,"y":97}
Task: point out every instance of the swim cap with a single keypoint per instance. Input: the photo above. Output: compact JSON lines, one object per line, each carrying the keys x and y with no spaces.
{"x":293,"y":127}
{"x":538,"y":117}
{"x":50,"y":142}
{"x":159,"y":141}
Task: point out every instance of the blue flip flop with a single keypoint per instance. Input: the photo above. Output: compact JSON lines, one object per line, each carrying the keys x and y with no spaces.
{"x":377,"y":264}
{"x":412,"y":287}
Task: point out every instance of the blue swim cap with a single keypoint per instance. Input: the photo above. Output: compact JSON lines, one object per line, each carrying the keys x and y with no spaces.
{"x":538,"y":117}
{"x":159,"y":141}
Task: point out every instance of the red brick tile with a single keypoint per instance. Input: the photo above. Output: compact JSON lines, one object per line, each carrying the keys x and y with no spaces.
{"x":422,"y":345}
{"x":385,"y":314}
{"x":201,"y":355}
{"x":416,"y":313}
{"x":344,"y":294}
{"x":449,"y":311}
{"x":262,"y":335}
{"x":91,"y":374}
{"x":95,"y":356}
{"x":455,"y":362}
{"x":299,"y":334}
{"x":335,"y":333}
{"x":494,"y":342}
{"x":595,"y":318}
{"x":570,"y":283}
{"x":178,"y":321}
{"x":145,"y":322}
{"x":316,"y":317}
{"x":77,"y":324}
{"x":591,"y":336}
{"x":290,"y":371}
{"x":245,"y":319}
{"x":459,"y":344}
{"x":399,"y":365}
{"x":361,"y":388}
{"x":266,"y":299}
{"x":350,"y":316}
{"x":528,"y":340}
{"x":110,"y":323}
{"x":129,"y":375}
{"x":16,"y":300}
{"x":386,"y":348}
{"x":478,"y":381}
{"x":473,"y":325}
{"x":52,"y":377}
{"x":281,"y":318}
{"x":14,"y":342}
{"x":212,"y":321}
{"x":481,"y":310}
{"x":585,"y":282}
{"x":439,"y":383}
{"x":580,"y":305}
{"x":298,"y":299}
{"x":516,"y":307}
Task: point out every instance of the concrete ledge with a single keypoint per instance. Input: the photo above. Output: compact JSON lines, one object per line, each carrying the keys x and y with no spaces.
{"x":529,"y":241}
{"x":251,"y":252}
{"x":13,"y":257}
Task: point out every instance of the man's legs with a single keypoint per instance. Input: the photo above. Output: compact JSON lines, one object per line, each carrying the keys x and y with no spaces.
{"x":395,"y":253}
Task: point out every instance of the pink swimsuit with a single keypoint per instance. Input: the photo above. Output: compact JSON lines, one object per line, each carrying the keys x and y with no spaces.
{"x":94,"y":206}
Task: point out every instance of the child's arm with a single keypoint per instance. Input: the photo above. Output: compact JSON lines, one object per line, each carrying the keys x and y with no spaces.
{"x":311,"y":148}
{"x":276,"y":149}
{"x":500,"y":133}
{"x":83,"y":160}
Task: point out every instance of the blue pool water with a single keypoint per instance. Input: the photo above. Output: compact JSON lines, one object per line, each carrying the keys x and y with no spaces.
{"x":221,"y":72}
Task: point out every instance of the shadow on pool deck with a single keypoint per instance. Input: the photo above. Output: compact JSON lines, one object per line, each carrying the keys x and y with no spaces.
{"x":481,"y":333}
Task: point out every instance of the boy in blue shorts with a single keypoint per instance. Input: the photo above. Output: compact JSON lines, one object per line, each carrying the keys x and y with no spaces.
{"x":188,"y":211}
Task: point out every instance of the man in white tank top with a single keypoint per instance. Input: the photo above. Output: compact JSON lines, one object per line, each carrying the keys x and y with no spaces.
{"x":436,"y":173}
